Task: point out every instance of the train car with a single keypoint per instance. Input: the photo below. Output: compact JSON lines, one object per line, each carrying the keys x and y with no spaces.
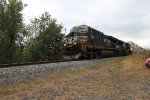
{"x":86,"y":42}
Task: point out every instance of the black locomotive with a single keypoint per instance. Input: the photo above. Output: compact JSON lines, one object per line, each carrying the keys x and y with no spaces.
{"x":86,"y":42}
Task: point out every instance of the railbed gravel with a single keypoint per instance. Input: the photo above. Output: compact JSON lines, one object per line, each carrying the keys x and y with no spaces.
{"x":13,"y":75}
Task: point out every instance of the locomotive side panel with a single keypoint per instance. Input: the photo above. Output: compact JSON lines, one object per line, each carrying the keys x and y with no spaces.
{"x":96,"y":39}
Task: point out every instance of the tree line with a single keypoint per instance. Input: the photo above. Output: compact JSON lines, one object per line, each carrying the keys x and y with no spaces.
{"x":40,"y":40}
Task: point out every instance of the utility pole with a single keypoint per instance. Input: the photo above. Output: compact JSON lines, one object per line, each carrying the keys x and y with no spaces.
{"x":65,"y":30}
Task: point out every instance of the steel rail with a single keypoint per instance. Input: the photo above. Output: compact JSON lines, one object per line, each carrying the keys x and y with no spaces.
{"x":33,"y":63}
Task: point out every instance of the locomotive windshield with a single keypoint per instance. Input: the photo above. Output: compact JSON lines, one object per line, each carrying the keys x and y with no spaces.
{"x":81,"y":30}
{"x":73,"y":34}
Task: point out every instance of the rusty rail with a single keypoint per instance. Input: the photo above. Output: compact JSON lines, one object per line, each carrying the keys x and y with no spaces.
{"x":32,"y":63}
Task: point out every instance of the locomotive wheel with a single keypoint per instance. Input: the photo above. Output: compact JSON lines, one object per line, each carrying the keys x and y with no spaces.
{"x":94,"y":56}
{"x":88,"y":56}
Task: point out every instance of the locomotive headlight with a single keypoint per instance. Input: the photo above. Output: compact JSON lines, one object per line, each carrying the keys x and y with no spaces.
{"x":75,"y":43}
{"x":65,"y":45}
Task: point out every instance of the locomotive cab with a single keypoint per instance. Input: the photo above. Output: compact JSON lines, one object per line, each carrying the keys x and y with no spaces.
{"x":75,"y":41}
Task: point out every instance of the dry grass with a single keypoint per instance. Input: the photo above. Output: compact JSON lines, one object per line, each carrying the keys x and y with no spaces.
{"x":116,"y":79}
{"x":51,"y":81}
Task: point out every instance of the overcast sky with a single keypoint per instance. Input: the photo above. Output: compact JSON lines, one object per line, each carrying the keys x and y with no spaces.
{"x":128,"y":20}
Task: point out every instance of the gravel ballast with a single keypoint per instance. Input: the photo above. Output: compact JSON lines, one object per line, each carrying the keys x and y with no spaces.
{"x":13,"y":75}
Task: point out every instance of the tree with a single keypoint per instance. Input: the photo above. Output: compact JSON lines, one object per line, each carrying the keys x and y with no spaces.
{"x":45,"y":39}
{"x":11,"y":25}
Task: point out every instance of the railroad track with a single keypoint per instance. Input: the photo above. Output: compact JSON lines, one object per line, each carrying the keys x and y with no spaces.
{"x":33,"y":63}
{"x":45,"y":62}
{"x":15,"y":73}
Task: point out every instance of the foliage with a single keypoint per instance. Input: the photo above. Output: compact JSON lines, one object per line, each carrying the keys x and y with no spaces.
{"x":44,"y":40}
{"x":10,"y":29}
{"x":40,"y":40}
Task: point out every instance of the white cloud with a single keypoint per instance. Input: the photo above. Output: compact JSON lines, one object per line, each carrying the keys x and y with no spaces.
{"x":125,"y":19}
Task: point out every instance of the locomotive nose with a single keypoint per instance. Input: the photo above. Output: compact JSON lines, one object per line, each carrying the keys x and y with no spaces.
{"x":71,"y":40}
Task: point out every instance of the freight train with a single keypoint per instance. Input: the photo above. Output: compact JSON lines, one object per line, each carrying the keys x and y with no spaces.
{"x":86,"y":42}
